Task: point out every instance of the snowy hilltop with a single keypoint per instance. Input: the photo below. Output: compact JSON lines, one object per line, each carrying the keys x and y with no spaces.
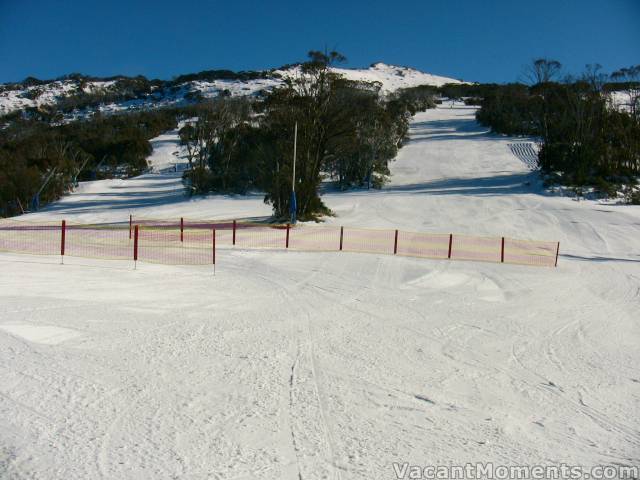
{"x":76,"y":92}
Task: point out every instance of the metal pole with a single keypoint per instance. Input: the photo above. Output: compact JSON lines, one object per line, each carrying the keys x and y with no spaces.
{"x":135,"y":247}
{"x":293,"y":207}
{"x":214,"y":249}
{"x":234,"y":232}
{"x":62,"y":241}
{"x":295,"y":149}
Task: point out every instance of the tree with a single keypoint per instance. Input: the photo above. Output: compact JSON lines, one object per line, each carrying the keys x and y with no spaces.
{"x":594,"y":77}
{"x":630,"y":75}
{"x":582,"y":141}
{"x":542,"y":70}
{"x":31,"y":149}
{"x":305,"y":99}
{"x":211,"y":140}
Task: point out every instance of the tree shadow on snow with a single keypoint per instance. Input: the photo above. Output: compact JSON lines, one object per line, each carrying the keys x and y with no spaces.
{"x":499,"y":184}
{"x":450,"y":129}
{"x":464,"y":128}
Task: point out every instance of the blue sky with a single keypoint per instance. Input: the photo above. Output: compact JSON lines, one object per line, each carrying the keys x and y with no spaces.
{"x":474,"y":40}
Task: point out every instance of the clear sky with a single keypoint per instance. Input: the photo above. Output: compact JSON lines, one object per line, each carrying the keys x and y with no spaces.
{"x":478,"y":40}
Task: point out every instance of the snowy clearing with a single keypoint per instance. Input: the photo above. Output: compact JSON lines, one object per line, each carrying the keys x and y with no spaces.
{"x":291,"y":365}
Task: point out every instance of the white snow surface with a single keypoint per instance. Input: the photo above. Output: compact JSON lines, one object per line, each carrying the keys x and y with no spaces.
{"x":47,"y":94}
{"x":294,"y":365}
{"x":623,"y":100}
{"x":390,"y":77}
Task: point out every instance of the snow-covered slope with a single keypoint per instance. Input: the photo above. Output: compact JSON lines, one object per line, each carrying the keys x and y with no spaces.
{"x":390,"y":77}
{"x":452,"y":175}
{"x":289,"y":365}
{"x":14,"y":98}
{"x":393,"y":78}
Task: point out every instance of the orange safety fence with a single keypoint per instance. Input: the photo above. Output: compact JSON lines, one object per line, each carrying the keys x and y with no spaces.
{"x":369,"y":241}
{"x":195,"y":242}
{"x":89,"y":241}
{"x":428,"y":245}
{"x":486,"y":249}
{"x":318,"y":239}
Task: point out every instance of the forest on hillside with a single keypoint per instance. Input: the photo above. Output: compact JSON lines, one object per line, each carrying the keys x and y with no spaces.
{"x":39,"y":162}
{"x":587,"y":139}
{"x":347,"y":132}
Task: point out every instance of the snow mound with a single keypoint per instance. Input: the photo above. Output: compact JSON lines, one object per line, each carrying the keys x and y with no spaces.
{"x":393,"y":77}
{"x":44,"y":334}
{"x":390,"y":77}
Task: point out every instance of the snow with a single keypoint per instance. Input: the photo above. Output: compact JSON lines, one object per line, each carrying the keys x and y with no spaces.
{"x":210,"y":89}
{"x":289,"y":365}
{"x":623,"y":100}
{"x":44,"y":334}
{"x":17,"y":99}
{"x":166,"y":152}
{"x":390,"y":77}
{"x":393,"y":77}
{"x":92,"y":87}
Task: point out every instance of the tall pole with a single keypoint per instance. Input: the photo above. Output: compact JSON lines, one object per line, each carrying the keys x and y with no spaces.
{"x":293,"y":207}
{"x":295,"y":150}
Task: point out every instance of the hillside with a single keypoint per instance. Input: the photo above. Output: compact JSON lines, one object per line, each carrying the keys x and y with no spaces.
{"x":290,"y":365}
{"x":450,"y":166}
{"x":127,"y":93}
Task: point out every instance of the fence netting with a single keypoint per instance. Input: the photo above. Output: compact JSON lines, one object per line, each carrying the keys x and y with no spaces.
{"x":428,"y":245}
{"x":35,"y":239}
{"x":175,"y":247}
{"x":195,"y":242}
{"x":89,"y":241}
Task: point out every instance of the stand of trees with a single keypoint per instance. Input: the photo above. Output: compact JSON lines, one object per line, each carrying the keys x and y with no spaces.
{"x":346,"y":132}
{"x":32,"y":152}
{"x":585,"y":141}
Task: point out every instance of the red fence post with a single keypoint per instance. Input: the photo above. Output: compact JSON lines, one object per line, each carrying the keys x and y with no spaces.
{"x":557,"y":252}
{"x":234,"y":232}
{"x":395,"y":244}
{"x":450,"y":245}
{"x":502,"y":251}
{"x":181,"y":229}
{"x":62,"y":239}
{"x":130,"y":223}
{"x":213,"y":241}
{"x":287,"y":241}
{"x":135,"y":245}
{"x":341,"y":236}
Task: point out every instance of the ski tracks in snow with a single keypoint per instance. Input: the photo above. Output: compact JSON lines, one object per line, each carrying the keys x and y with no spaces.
{"x":311,"y":434}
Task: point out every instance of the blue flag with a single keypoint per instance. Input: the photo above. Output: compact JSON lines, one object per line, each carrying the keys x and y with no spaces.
{"x":293,"y":207}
